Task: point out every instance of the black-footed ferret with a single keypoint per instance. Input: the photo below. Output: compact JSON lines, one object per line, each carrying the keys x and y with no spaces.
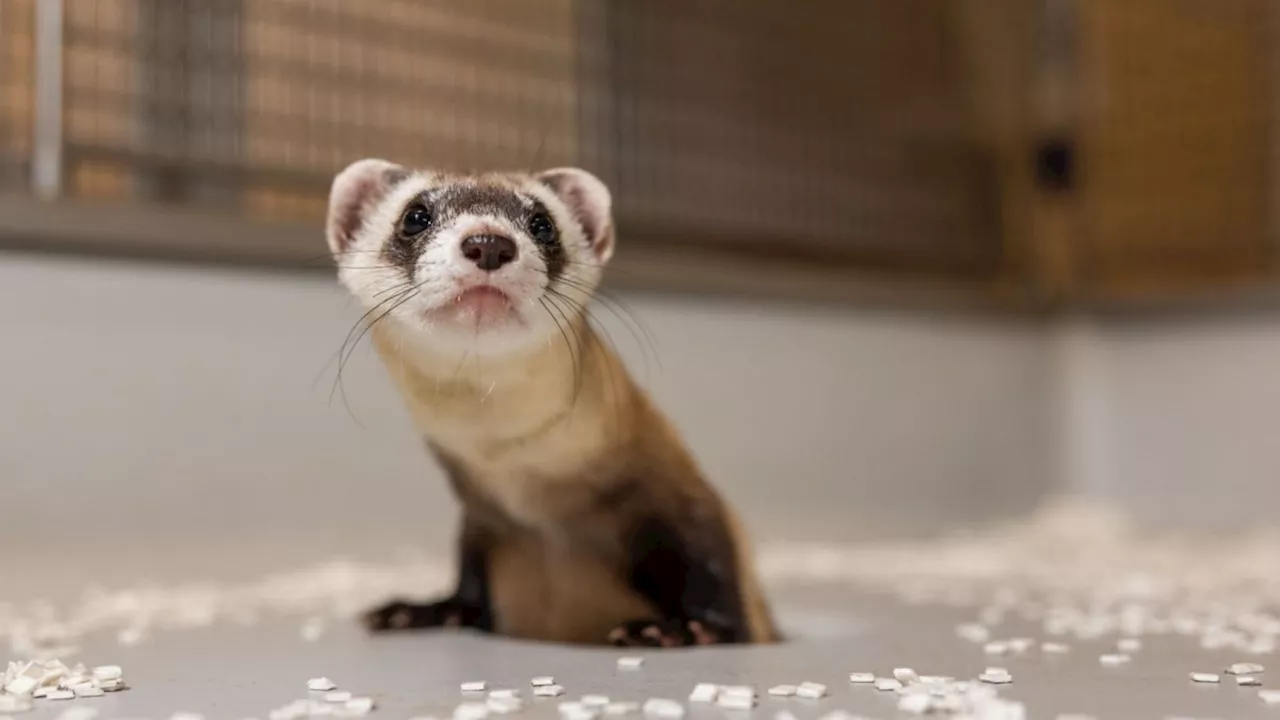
{"x":585,"y":519}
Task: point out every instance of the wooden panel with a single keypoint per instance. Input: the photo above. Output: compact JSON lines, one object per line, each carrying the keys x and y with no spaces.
{"x":1174,"y":142}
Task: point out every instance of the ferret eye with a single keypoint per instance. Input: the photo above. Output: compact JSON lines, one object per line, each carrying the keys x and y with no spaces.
{"x":417,"y":220}
{"x":542,"y":228}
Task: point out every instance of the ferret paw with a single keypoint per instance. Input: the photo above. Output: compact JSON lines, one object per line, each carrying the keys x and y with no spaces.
{"x":665,"y":633}
{"x":400,"y":615}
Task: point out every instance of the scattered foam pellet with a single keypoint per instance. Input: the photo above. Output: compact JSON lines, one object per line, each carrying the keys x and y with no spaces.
{"x":704,"y":693}
{"x":475,"y":686}
{"x":504,"y":693}
{"x":915,"y":704}
{"x":88,"y":691}
{"x":312,"y":630}
{"x":359,"y":705}
{"x":548,"y":690}
{"x":861,"y":678}
{"x":1074,"y":716}
{"x":630,"y":663}
{"x":505,"y":705}
{"x":973,"y":632}
{"x":130,"y":636}
{"x":887,"y":684}
{"x":663,"y":707}
{"x":621,"y":708}
{"x":107,"y":672}
{"x":337,"y":696}
{"x":471,"y":711}
{"x":1054,"y":648}
{"x":1114,"y":659}
{"x":996,"y":676}
{"x":905,"y":675}
{"x":1248,"y":681}
{"x":594,"y":701}
{"x":1270,"y":697}
{"x":996,"y":647}
{"x":1202,"y":677}
{"x":811,"y":690}
{"x":22,"y":685}
{"x":736,"y":701}
{"x":1245,"y":669}
{"x":1129,"y":645}
{"x":783,"y":690}
{"x":785,"y":715}
{"x":186,"y":716}
{"x":321,"y":684}
{"x":542,"y":681}
{"x":61,"y":695}
{"x":1020,"y":644}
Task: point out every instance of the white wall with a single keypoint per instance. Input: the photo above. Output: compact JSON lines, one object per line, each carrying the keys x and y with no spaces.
{"x":166,"y":411}
{"x":1178,"y":419}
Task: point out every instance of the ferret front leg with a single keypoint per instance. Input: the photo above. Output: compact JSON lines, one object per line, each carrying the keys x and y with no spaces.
{"x":690,"y":577}
{"x":469,"y":606}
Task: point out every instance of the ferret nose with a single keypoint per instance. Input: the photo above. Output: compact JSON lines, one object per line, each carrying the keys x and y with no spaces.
{"x":489,"y":252}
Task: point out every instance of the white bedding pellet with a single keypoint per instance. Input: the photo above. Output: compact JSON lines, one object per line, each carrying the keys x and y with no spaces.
{"x":783,"y":690}
{"x":548,"y":690}
{"x":886,"y":684}
{"x":704,"y":693}
{"x":22,"y":685}
{"x":61,"y":695}
{"x":1074,"y":716}
{"x":319,"y":684}
{"x":542,"y":681}
{"x":113,"y":685}
{"x":505,"y":705}
{"x":861,"y":678}
{"x":337,"y":696}
{"x":1054,"y":648}
{"x":630,"y":663}
{"x":503,"y":693}
{"x":996,"y":677}
{"x":594,"y":701}
{"x":736,"y":701}
{"x":905,"y":675}
{"x":785,"y":715}
{"x":915,"y":704}
{"x":475,"y":686}
{"x":1129,"y":645}
{"x":1245,"y":669}
{"x":359,"y":705}
{"x":471,"y":711}
{"x":88,"y":691}
{"x":107,"y":672}
{"x":811,"y":690}
{"x":1248,"y":681}
{"x":186,"y":716}
{"x":663,"y":707}
{"x":996,"y":647}
{"x":1114,"y":659}
{"x":1270,"y":697}
{"x":621,"y":708}
{"x":1202,"y":677}
{"x":1020,"y":644}
{"x":973,"y":632}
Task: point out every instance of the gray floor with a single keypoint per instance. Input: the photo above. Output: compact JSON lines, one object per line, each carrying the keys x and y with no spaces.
{"x":244,"y":672}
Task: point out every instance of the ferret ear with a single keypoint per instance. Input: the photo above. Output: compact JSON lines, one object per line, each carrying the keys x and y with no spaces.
{"x":590,"y":202}
{"x":354,"y":191}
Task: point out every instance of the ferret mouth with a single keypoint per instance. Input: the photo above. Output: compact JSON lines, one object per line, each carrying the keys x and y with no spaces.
{"x":479,"y":305}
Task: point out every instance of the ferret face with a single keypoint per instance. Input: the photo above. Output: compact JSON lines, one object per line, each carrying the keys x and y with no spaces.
{"x":484,"y":264}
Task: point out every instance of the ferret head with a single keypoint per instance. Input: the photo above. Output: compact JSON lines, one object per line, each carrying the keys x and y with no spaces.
{"x":483,"y":264}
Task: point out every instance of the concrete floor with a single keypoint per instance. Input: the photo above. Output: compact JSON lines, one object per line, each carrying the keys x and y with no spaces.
{"x":244,"y":672}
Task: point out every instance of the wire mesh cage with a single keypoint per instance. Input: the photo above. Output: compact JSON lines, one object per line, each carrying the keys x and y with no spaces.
{"x":851,"y":134}
{"x":742,"y":124}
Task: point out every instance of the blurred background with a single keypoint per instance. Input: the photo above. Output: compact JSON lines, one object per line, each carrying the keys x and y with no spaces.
{"x":895,"y":268}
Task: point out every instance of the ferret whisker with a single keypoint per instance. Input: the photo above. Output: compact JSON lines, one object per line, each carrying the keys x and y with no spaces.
{"x":635,"y":327}
{"x":568,"y":345}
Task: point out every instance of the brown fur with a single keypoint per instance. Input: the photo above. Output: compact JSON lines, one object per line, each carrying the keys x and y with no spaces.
{"x":550,"y":468}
